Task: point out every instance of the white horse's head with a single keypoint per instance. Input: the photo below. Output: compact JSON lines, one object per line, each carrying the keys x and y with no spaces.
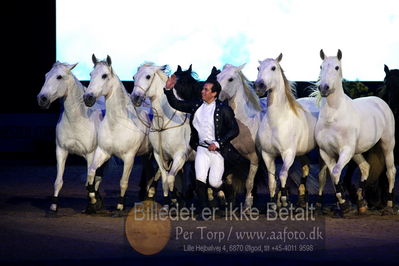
{"x":269,"y":74}
{"x":58,"y":80}
{"x":230,"y":80}
{"x":144,"y":82}
{"x":330,"y":73}
{"x":101,"y":79}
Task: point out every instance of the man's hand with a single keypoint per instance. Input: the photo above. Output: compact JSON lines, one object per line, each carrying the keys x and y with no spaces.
{"x":171,"y":82}
{"x":212,"y":147}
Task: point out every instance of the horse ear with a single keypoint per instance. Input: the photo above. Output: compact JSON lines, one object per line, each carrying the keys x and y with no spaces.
{"x":322,"y":55}
{"x":72,"y":66}
{"x":215,"y":70}
{"x":190,"y":68}
{"x":242,"y":66}
{"x":339,"y":55}
{"x":109,"y":62}
{"x":178,"y":69}
{"x":164,"y":67}
{"x":278,"y":59}
{"x":94,"y":59}
{"x":386,"y":69}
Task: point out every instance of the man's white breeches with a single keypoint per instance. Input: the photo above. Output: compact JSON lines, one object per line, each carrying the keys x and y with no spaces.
{"x":211,"y":161}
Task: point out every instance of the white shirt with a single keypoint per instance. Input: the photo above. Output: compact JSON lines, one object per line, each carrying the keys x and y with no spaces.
{"x":204,"y":124}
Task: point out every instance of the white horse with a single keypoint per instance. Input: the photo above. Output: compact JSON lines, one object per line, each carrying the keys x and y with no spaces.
{"x":346,"y":128}
{"x":248,"y":112}
{"x":121,"y":133}
{"x":170,"y":129}
{"x":76,"y":130}
{"x":287,"y":130}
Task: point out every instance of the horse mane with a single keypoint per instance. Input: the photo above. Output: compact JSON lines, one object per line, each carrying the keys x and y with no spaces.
{"x":290,"y":91}
{"x":250,"y":93}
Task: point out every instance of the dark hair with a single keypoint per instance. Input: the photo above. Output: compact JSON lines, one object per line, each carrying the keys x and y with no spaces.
{"x":216,"y":87}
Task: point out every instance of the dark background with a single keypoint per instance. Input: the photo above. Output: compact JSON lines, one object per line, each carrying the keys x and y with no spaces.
{"x":28,"y":41}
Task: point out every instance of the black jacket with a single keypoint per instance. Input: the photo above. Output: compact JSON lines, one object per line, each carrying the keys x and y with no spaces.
{"x":226,"y":127}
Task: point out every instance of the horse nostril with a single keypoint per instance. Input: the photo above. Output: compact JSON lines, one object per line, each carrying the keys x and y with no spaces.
{"x":260,"y":85}
{"x":136,"y":99}
{"x":43,"y":99}
{"x":89,"y":99}
{"x":324,"y":87}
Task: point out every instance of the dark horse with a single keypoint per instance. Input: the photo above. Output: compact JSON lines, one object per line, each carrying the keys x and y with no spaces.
{"x":390,"y":94}
{"x":188,"y":87}
{"x":377,"y":185}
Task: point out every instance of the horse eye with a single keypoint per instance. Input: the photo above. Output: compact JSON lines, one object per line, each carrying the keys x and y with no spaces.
{"x":320,"y":67}
{"x":273,"y":68}
{"x":104,"y":76}
{"x":231,"y":79}
{"x":59,"y":77}
{"x":148,"y":77}
{"x":337,"y":67}
{"x":257,"y":68}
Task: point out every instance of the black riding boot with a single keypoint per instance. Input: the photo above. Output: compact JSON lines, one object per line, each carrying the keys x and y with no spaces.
{"x":201,"y":191}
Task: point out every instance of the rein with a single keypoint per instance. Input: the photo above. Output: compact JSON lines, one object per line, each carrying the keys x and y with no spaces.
{"x":159,"y":119}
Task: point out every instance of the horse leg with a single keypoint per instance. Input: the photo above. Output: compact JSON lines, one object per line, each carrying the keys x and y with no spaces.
{"x":164,"y":175}
{"x":391,"y":172}
{"x":128,"y":161}
{"x":97,"y":181}
{"x":177,"y":165}
{"x":288,"y":159}
{"x":152,"y":185}
{"x":322,"y":183}
{"x":271,"y":170}
{"x":330,"y":163}
{"x":347,"y":180}
{"x":249,"y":184}
{"x":302,"y":191}
{"x":100,"y":156}
{"x":364,"y":170}
{"x":376,"y":184}
{"x":345,"y":156}
{"x":61,"y":156}
{"x":147,"y":172}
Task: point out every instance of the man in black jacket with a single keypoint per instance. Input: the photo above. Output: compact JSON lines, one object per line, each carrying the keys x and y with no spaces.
{"x":213,"y":126}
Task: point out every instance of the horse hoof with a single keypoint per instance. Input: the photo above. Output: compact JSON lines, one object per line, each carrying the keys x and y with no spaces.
{"x":149,"y":198}
{"x":302,"y":201}
{"x":345,"y":207}
{"x":248,"y":203}
{"x":53,"y":208}
{"x":388,"y":211}
{"x":90,"y":209}
{"x":99,"y":202}
{"x":363,"y":210}
{"x":118,"y":213}
{"x":51,"y":214}
{"x":362,"y":206}
{"x":165,"y":208}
